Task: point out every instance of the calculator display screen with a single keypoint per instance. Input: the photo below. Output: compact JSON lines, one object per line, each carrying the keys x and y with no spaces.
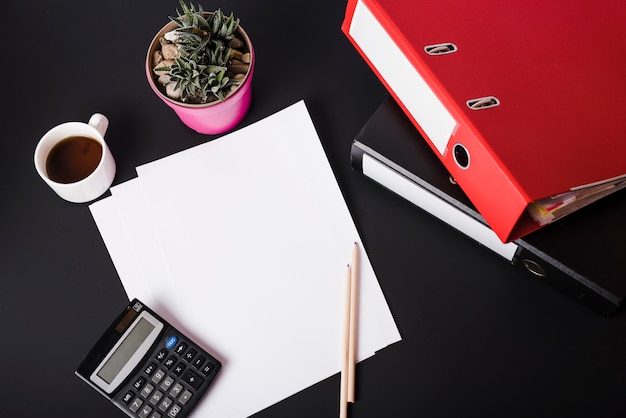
{"x":125,"y":350}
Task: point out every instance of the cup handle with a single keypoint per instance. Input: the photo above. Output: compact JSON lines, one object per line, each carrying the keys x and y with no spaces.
{"x":100,"y":122}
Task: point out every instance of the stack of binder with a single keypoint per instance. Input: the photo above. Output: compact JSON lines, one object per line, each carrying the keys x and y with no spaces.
{"x":580,"y":255}
{"x":522,"y":101}
{"x":521,"y":104}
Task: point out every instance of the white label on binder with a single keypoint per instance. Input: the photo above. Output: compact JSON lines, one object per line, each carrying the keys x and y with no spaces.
{"x":405,"y":81}
{"x":437,"y":207}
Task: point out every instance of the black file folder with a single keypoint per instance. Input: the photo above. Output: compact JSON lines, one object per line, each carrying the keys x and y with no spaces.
{"x":581,"y":255}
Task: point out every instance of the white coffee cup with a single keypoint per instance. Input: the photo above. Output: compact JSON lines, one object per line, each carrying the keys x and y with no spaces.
{"x":95,"y":183}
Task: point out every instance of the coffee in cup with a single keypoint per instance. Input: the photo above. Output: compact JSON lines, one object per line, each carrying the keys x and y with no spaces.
{"x":75,"y":161}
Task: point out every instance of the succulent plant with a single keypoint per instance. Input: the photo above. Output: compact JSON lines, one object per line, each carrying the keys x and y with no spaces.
{"x":202,"y":71}
{"x":191,"y":19}
{"x":221,"y":27}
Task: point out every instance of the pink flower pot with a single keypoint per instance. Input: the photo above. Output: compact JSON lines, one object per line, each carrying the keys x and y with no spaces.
{"x":212,"y":118}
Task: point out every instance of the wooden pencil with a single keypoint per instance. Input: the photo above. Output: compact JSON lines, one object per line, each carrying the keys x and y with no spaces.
{"x":354,"y":287}
{"x":343,"y":397}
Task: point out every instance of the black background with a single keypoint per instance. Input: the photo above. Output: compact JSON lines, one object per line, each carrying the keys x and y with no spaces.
{"x":480,"y":339}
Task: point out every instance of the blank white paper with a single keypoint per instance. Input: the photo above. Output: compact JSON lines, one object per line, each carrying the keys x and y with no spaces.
{"x":246,"y":239}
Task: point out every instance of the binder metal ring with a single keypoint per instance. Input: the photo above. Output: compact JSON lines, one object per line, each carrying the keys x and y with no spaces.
{"x":440,"y":49}
{"x":483,"y":103}
{"x":534,"y":268}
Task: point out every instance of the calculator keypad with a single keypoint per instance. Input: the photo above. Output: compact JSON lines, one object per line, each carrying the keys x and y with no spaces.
{"x":171,"y":382}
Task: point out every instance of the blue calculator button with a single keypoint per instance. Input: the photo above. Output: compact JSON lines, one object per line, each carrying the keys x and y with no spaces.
{"x":171,"y":341}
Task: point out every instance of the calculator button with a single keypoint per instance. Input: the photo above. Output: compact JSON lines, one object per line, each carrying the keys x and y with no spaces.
{"x":145,"y":411}
{"x":161,"y":355}
{"x":135,"y":405}
{"x":139,"y":382}
{"x":207,"y":369}
{"x":190,"y":354}
{"x":181,"y":348}
{"x":169,"y":363}
{"x":156,"y":397}
{"x":198,"y":362}
{"x":178,"y":370}
{"x":128,"y":397}
{"x":171,"y":342}
{"x":147,"y":390}
{"x":167,"y":383}
{"x":192,"y":379}
{"x":158,"y":376}
{"x":155,"y":415}
{"x":176,"y":390}
{"x":184,"y":398}
{"x":165,"y":404}
{"x":149,"y":369}
{"x":174,"y":411}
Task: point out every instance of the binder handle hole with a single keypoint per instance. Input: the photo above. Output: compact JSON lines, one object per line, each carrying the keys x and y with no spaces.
{"x":440,"y":49}
{"x":461,"y":156}
{"x":534,"y":268}
{"x":483,"y":103}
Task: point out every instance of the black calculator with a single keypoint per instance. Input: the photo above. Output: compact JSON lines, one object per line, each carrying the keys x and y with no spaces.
{"x":147,"y":367}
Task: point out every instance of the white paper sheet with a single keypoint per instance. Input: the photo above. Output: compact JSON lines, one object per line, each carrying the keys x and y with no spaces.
{"x":135,"y":218}
{"x":119,"y":245}
{"x":245,"y":241}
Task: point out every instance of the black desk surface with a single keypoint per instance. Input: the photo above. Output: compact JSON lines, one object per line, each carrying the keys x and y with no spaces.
{"x":480,"y":339}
